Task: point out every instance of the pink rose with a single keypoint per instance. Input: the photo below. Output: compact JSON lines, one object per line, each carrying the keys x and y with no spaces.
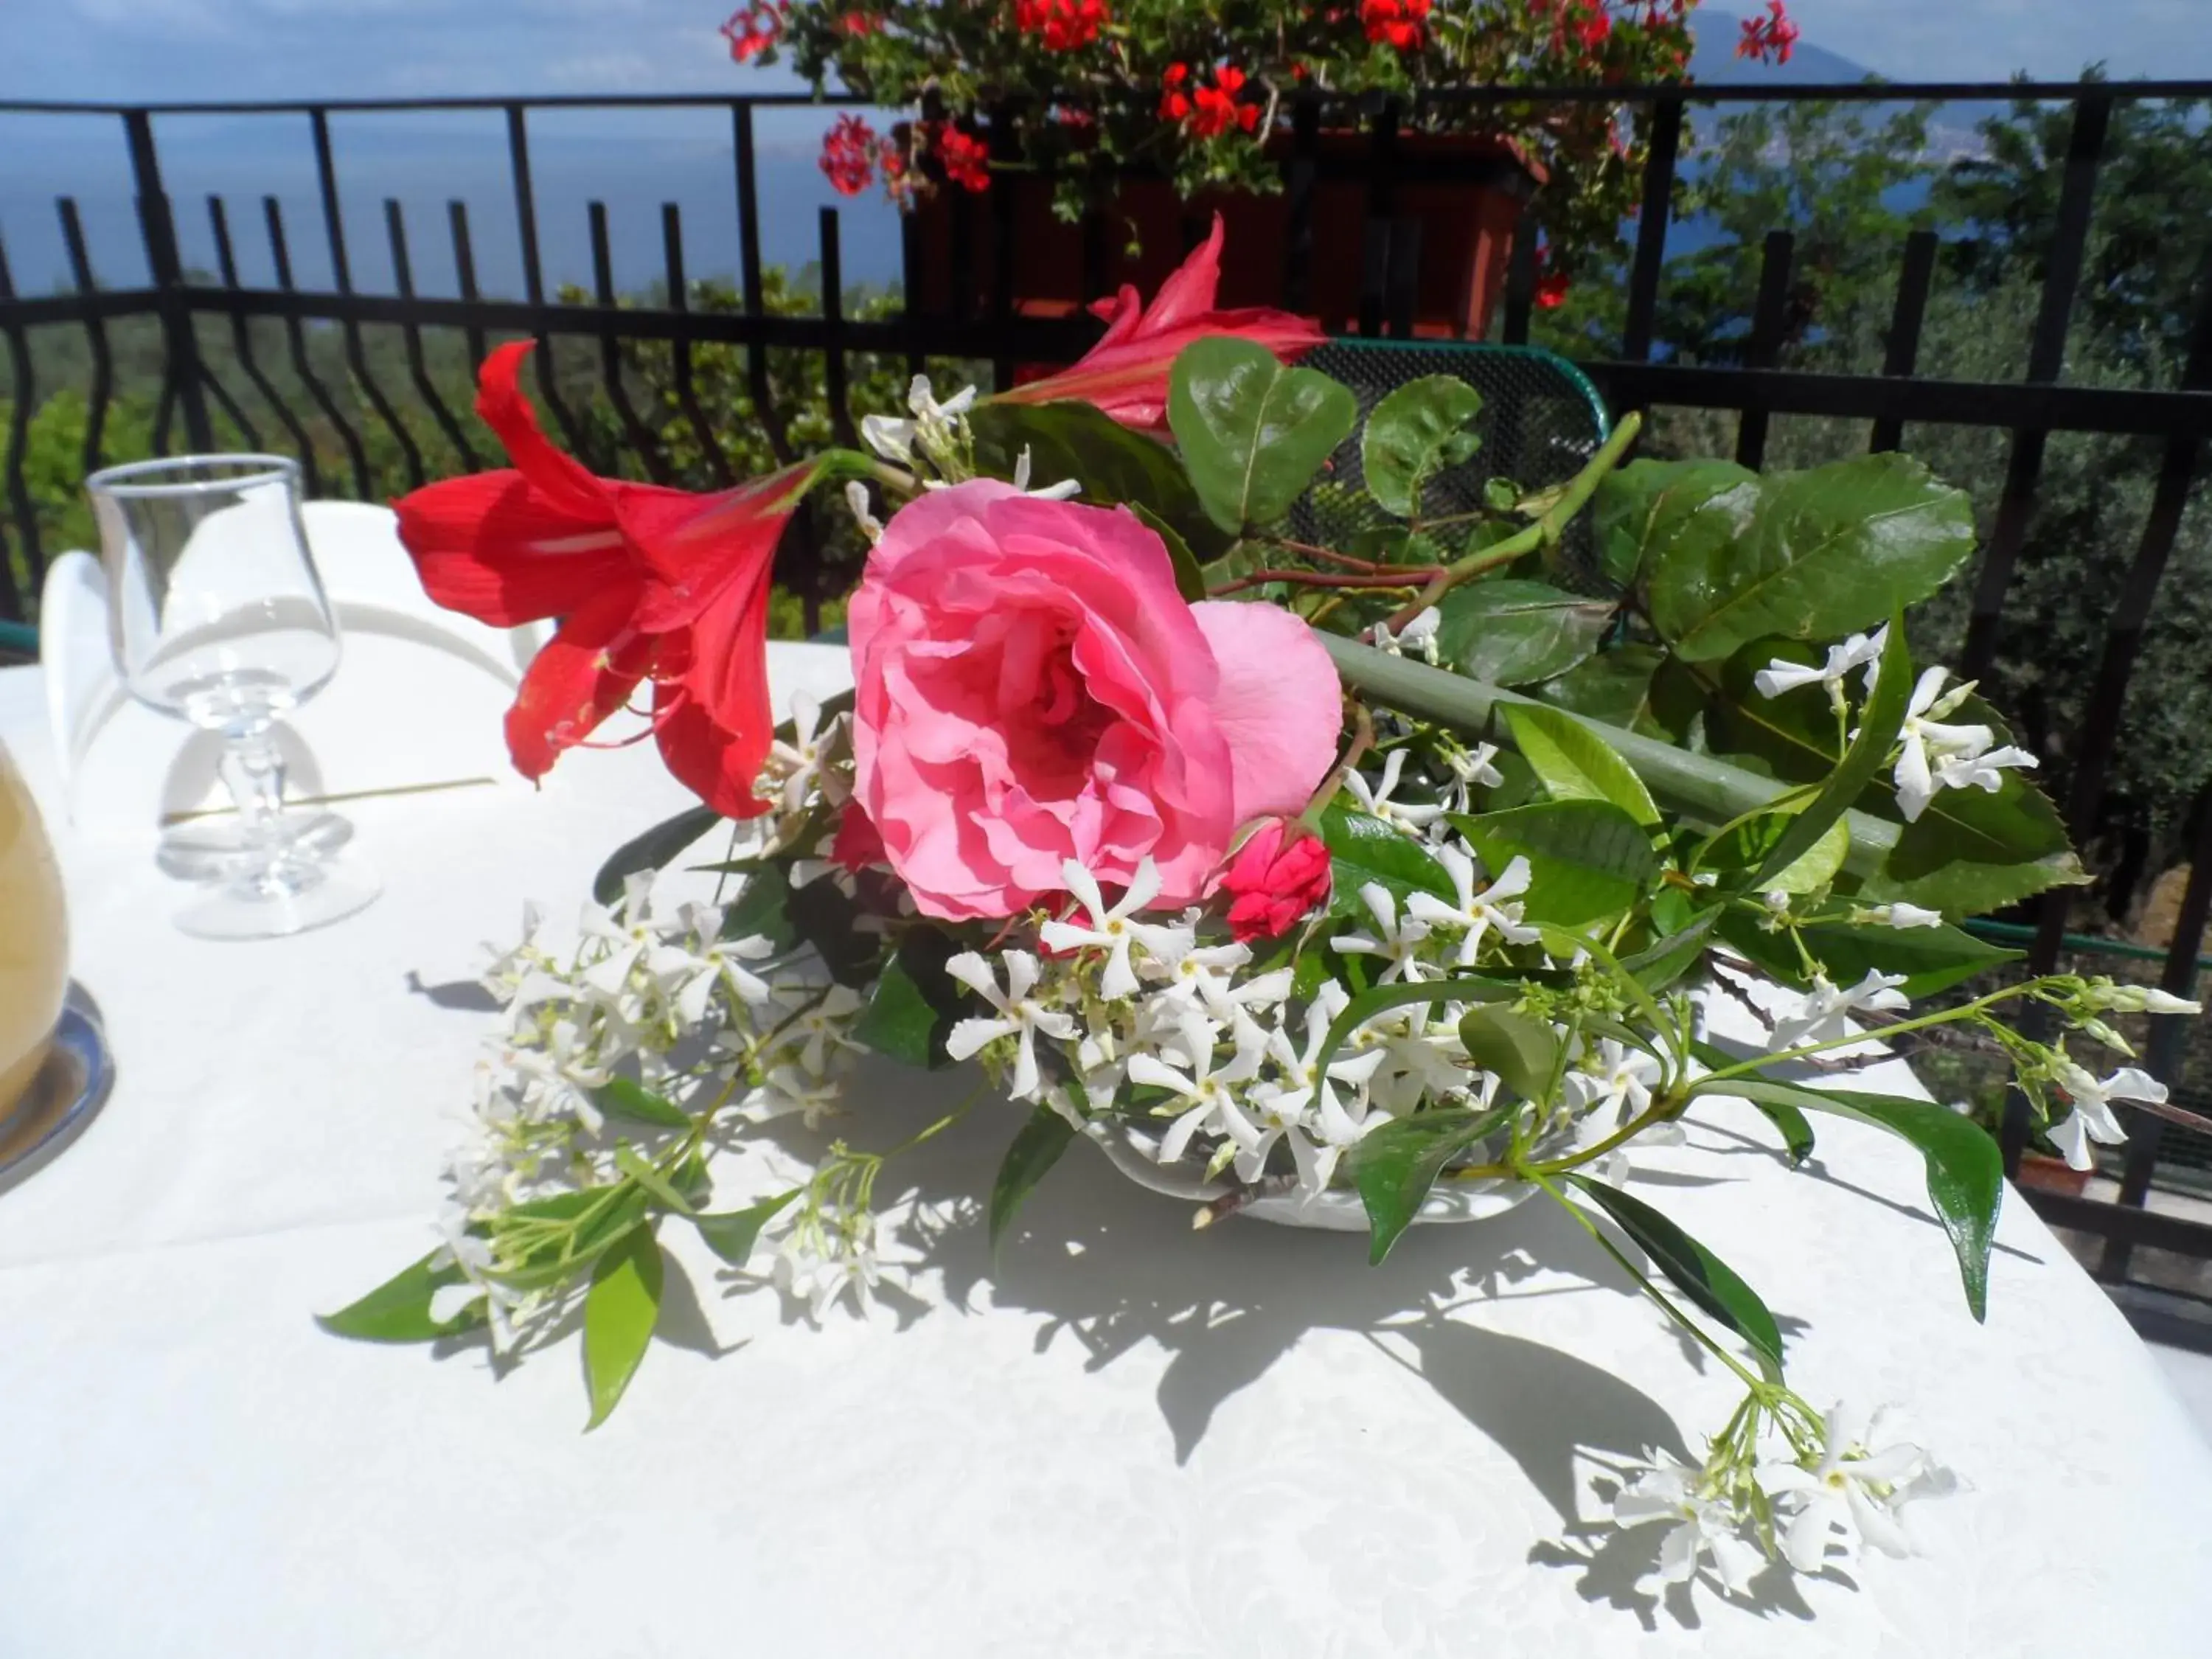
{"x":1031,"y":688}
{"x":1278,"y":876}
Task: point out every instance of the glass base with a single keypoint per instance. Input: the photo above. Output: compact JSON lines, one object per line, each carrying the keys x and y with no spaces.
{"x":219,"y":849}
{"x":289,"y":897}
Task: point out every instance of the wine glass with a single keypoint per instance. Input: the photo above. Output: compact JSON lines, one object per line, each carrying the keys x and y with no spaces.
{"x":217,"y":616}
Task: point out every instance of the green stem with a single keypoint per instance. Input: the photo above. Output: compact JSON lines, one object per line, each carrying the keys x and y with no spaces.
{"x":1710,"y":791}
{"x":1545,"y":532}
{"x":1706,"y":1084}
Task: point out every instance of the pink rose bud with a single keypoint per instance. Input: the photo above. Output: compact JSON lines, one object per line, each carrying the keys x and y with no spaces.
{"x":1278,"y":876}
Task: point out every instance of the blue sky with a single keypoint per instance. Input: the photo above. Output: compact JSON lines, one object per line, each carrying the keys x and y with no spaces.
{"x":211,"y":49}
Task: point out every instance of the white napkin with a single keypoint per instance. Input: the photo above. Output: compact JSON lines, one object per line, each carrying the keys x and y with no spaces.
{"x":416,"y":701}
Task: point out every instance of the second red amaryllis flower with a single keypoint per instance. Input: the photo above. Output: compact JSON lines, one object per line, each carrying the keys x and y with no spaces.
{"x":651,"y":584}
{"x":1125,"y":373}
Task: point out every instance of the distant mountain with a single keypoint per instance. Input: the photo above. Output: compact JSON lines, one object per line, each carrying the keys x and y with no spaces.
{"x":1714,"y":60}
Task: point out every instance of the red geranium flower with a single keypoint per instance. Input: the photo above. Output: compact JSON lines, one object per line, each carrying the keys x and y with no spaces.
{"x":964,"y":157}
{"x":1214,"y":109}
{"x":650,"y":584}
{"x":1398,"y":23}
{"x":1175,"y":102}
{"x":753,"y":29}
{"x":1552,"y":290}
{"x":1065,"y":24}
{"x":1125,"y":373}
{"x":849,"y":154}
{"x":858,"y":23}
{"x":1769,"y":39}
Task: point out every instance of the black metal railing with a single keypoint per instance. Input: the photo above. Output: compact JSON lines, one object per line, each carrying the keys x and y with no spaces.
{"x":195,"y":406}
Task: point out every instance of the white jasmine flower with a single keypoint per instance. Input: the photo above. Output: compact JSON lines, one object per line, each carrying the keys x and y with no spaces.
{"x":892,"y":440}
{"x":853,"y":1260}
{"x":2139,"y":1000}
{"x":1852,"y":1489}
{"x":1823,"y":1013}
{"x":823,"y":1029}
{"x":1861,"y":650}
{"x":1375,"y":799}
{"x":787,"y":1091}
{"x":1340,"y":1119}
{"x":1195,"y":974}
{"x":1419,"y":636}
{"x":2092,"y":1118}
{"x":1018,"y":1015}
{"x":1929,"y":744}
{"x":1207,"y":1100}
{"x":1395,"y":942}
{"x":1109,"y":930}
{"x":1469,"y":768}
{"x":1621,"y":1076}
{"x":794,"y":771}
{"x":1666,"y":1490}
{"x":1900,"y":914}
{"x":856,"y":498}
{"x":1063,"y":490}
{"x":504,"y":974}
{"x":1478,"y":910}
{"x":1983,"y":771}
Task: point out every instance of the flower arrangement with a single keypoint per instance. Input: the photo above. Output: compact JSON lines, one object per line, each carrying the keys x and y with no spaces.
{"x":1094,"y":87}
{"x":1238,"y":855}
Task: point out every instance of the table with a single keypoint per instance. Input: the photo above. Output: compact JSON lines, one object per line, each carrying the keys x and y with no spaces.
{"x":1123,"y":1439}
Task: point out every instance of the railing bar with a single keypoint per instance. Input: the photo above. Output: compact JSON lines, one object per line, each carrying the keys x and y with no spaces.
{"x":96,"y":337}
{"x":910,"y":265}
{"x":1902,"y":354}
{"x":241,"y":338}
{"x":1382,"y":208}
{"x":687,"y":393}
{"x":1660,"y":156}
{"x":19,"y":437}
{"x":611,"y":367}
{"x":295,"y":339}
{"x":1405,"y":280}
{"x":1003,"y":148}
{"x":1520,"y":284}
{"x":835,"y":386}
{"x":756,"y":298}
{"x":533,"y":275}
{"x":158,"y":231}
{"x":1763,"y":350}
{"x":418,"y":370}
{"x":2046,"y":356}
{"x":1298,"y":176}
{"x":327,"y":175}
{"x":465,"y":277}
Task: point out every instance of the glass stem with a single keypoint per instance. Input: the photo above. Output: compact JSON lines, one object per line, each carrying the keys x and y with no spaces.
{"x":253,"y":768}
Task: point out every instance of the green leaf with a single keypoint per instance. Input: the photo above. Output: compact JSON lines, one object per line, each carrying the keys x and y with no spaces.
{"x":1115,"y":465}
{"x":1931,"y":959}
{"x":615,"y":1209}
{"x":826,"y":918}
{"x":1617,"y":687}
{"x":1395,"y":1166}
{"x":1190,"y":580}
{"x":1659,"y":965}
{"x":1575,"y":764}
{"x":915,"y":1003}
{"x":732,"y":1234}
{"x":1879,"y":722}
{"x":1827,"y":552}
{"x":1512,"y":633}
{"x":763,"y":909}
{"x":1749,"y":847}
{"x":1363,"y":848}
{"x":657,"y":846}
{"x":1252,"y":433}
{"x":620,"y":1311}
{"x":655,"y":1183}
{"x":1381,"y":999}
{"x":1395,"y":543}
{"x":1694,"y":1270}
{"x":1413,"y":434}
{"x":1965,"y":1170}
{"x":398,"y":1310}
{"x":1649,"y":514}
{"x":1796,"y":1132}
{"x":625,"y":1096}
{"x":1588,"y":859}
{"x":1035,"y":1148}
{"x":1524,"y":1053}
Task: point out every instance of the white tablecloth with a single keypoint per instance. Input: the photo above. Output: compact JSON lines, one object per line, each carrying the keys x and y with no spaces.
{"x":1122,"y":1439}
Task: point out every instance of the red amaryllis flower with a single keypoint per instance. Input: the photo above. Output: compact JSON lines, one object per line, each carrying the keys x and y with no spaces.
{"x":1125,"y":373}
{"x":1279,"y":875}
{"x":650,"y":584}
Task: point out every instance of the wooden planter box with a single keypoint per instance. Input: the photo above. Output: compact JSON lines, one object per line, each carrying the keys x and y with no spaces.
{"x":2053,"y":1174}
{"x":1461,"y":195}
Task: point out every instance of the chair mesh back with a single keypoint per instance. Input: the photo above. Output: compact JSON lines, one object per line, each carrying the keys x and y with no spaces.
{"x":1541,"y":419}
